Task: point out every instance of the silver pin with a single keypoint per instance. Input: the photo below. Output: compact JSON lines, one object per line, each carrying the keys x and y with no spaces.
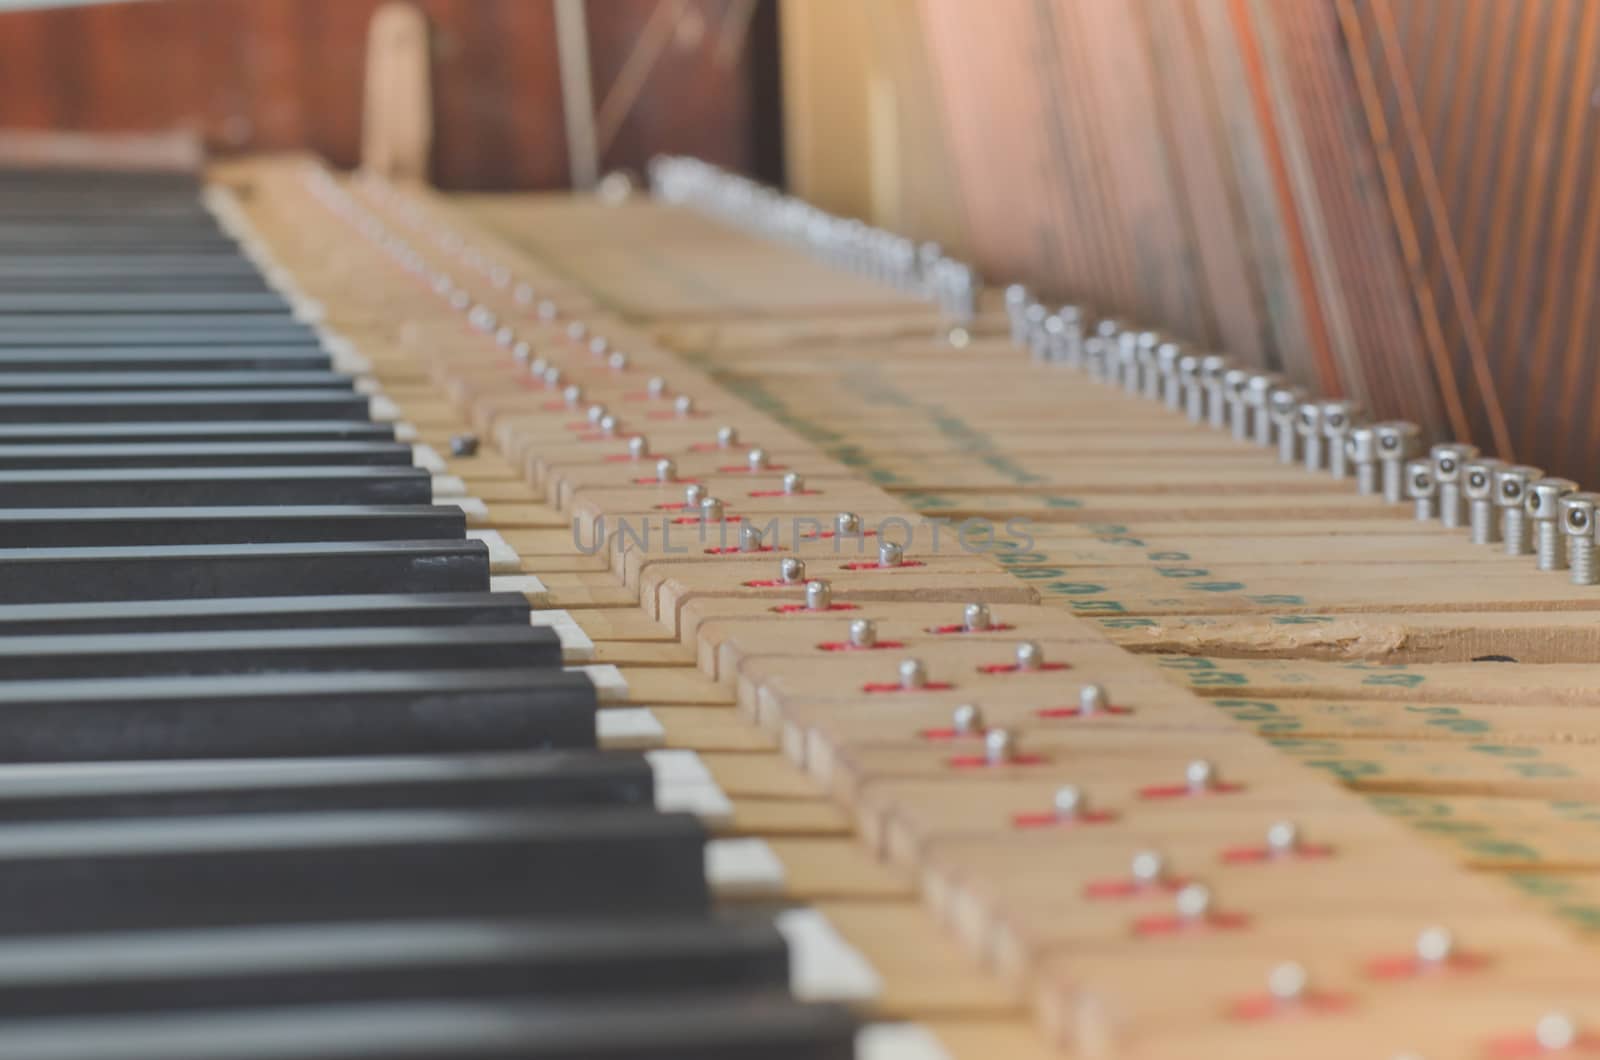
{"x":521,"y":352}
{"x":1477,"y":485}
{"x":727,"y":437}
{"x":1544,"y":509}
{"x":638,"y":447}
{"x":967,"y":720}
{"x":863,"y":633}
{"x":1194,"y":902}
{"x":819,"y":595}
{"x":1145,"y":357}
{"x":710,"y":510}
{"x":1200,"y":776}
{"x":693,"y":494}
{"x":1069,"y":802}
{"x":1094,"y":358}
{"x":890,"y":554}
{"x":1167,"y":356}
{"x":1361,"y":449}
{"x":1422,"y":488}
{"x":505,"y":337}
{"x":482,"y":318}
{"x":1258,"y":401}
{"x":791,"y":570}
{"x":1284,"y":408}
{"x":608,"y":425}
{"x":846,"y":524}
{"x":1435,"y":946}
{"x":1510,"y":496}
{"x":656,"y":387}
{"x":976,"y":617}
{"x":666,"y":470}
{"x":598,"y":346}
{"x":1071,"y":349}
{"x":572,"y":395}
{"x":1556,"y":1032}
{"x":552,"y":377}
{"x":793,"y":483}
{"x":1128,"y":361}
{"x":1148,"y":868}
{"x":999,"y":747}
{"x":1283,"y":839}
{"x":1448,"y":460}
{"x":1338,"y":418}
{"x":683,"y":405}
{"x":1287,"y":982}
{"x":1212,"y":368}
{"x":595,"y":414}
{"x":1577,"y":520}
{"x":1309,"y":424}
{"x":617,"y":362}
{"x":750,"y":539}
{"x":1029,"y":655}
{"x":1017,"y":299}
{"x":1092,"y":699}
{"x":1194,"y":395}
{"x":1234,"y":384}
{"x":913,"y":674}
{"x":756,"y":459}
{"x":537,"y":366}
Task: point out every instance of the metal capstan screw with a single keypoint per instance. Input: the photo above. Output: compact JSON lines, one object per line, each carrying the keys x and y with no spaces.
{"x":1287,"y":982}
{"x":683,"y":405}
{"x":1092,"y":699}
{"x":1258,"y":400}
{"x":1511,"y":496}
{"x":1556,"y":1032}
{"x":1234,"y":382}
{"x":1148,"y":868}
{"x":1361,"y":449}
{"x":1435,"y":946}
{"x":711,"y":510}
{"x":551,"y":376}
{"x":1544,"y":508}
{"x":1069,"y":802}
{"x":1448,"y":460}
{"x":891,"y":554}
{"x":1577,"y":521}
{"x":1194,"y":902}
{"x":1147,"y":354}
{"x":572,"y":395}
{"x":756,"y":459}
{"x":1017,"y":299}
{"x":1094,"y":358}
{"x":846,"y":524}
{"x":693,"y":494}
{"x":1167,"y":355}
{"x":819,"y":595}
{"x":792,"y":570}
{"x":793,"y":483}
{"x":727,"y":437}
{"x":1283,"y":839}
{"x":638,"y":447}
{"x":1477,"y":484}
{"x":1030,"y":656}
{"x":976,"y":618}
{"x":1309,"y":424}
{"x":595,"y":413}
{"x":863,"y":633}
{"x":1422,"y":488}
{"x":656,"y":388}
{"x":1338,"y":418}
{"x":967,"y":720}
{"x":999,"y":747}
{"x":1397,"y":442}
{"x":1200,"y":776}
{"x":1212,"y":368}
{"x":609,"y":425}
{"x":1194,"y":405}
{"x":1284,"y":408}
{"x":913,"y":674}
{"x":666,"y":470}
{"x":617,"y":362}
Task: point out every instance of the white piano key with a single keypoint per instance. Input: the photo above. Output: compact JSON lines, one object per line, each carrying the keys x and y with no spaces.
{"x":448,"y":486}
{"x":822,"y":965}
{"x":629,"y":729}
{"x":707,"y":802}
{"x":427,"y":457}
{"x":526,"y":584}
{"x":898,"y":1041}
{"x":608,"y":681}
{"x":477,"y":511}
{"x":678,"y":768}
{"x":503,"y":559}
{"x":576,"y":647}
{"x":382,"y":410}
{"x":743,"y":868}
{"x":405,"y":432}
{"x":368,"y":387}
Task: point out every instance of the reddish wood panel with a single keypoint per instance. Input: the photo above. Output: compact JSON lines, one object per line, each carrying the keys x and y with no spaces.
{"x":260,"y":75}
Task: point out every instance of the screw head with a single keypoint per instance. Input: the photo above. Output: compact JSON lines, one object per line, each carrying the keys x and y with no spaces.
{"x":1069,"y":801}
{"x":656,"y":387}
{"x":1338,"y":417}
{"x":1556,"y":1031}
{"x":1284,"y":403}
{"x":891,"y":554}
{"x":727,"y":437}
{"x":976,"y":617}
{"x":1420,"y":480}
{"x":1030,"y":656}
{"x":1361,"y":445}
{"x":552,"y":377}
{"x":792,"y":570}
{"x":1544,"y":497}
{"x":1449,"y":458}
{"x":967,"y":720}
{"x":1194,"y":902}
{"x":757,"y":459}
{"x":912,"y":673}
{"x":711,"y":510}
{"x":794,"y":483}
{"x":1148,"y":867}
{"x":750,"y":539}
{"x":1212,"y":368}
{"x":999,"y":746}
{"x":1092,"y":699}
{"x":819,"y":595}
{"x":1283,"y":838}
{"x":1435,"y":945}
{"x":1309,"y":418}
{"x":572,"y":395}
{"x":1511,"y":484}
{"x":595,"y":414}
{"x":608,"y":424}
{"x":683,"y":405}
{"x":1200,"y":775}
{"x":617,"y":362}
{"x":1478,"y":478}
{"x":693,"y":494}
{"x":1259,"y":388}
{"x":1287,"y":982}
{"x":638,"y":447}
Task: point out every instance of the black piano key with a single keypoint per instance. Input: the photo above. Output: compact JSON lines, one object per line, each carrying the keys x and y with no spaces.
{"x":296,"y":715}
{"x":195,"y":431}
{"x":27,"y":382}
{"x":676,"y":1027}
{"x":123,"y":527}
{"x":155,"y":971}
{"x":198,"y":266}
{"x":278,"y":651}
{"x":206,"y":486}
{"x":205,"y":454}
{"x":152,"y":282}
{"x":169,"y":572}
{"x":106,"y":790}
{"x":167,"y":305}
{"x":99,"y":406}
{"x":381,"y":865}
{"x":266,"y":612}
{"x":91,"y":359}
{"x":125,"y":330}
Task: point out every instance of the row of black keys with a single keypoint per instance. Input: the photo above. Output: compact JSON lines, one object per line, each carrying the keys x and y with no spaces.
{"x":287,"y":779}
